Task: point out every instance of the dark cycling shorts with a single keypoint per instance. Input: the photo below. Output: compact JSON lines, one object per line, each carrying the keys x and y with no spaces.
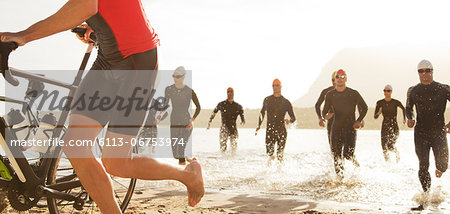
{"x":118,"y":93}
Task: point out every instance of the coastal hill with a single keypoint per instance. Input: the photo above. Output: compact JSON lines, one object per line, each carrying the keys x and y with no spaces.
{"x":370,"y":69}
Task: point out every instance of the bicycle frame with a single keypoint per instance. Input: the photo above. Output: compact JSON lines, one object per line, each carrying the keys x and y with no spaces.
{"x":15,"y":154}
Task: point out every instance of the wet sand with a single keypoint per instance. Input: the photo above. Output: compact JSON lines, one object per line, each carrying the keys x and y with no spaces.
{"x":175,"y":201}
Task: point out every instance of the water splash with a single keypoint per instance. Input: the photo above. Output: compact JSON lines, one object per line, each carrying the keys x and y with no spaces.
{"x":433,"y":198}
{"x":308,"y":171}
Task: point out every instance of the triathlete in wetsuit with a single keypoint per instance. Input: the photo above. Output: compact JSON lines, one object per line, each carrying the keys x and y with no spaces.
{"x":389,"y":128}
{"x":180,"y":118}
{"x":276,"y":106}
{"x":343,"y":101}
{"x":229,"y":111}
{"x":319,"y":103}
{"x":430,"y":99}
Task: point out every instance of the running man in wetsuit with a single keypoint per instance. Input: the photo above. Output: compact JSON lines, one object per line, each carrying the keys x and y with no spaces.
{"x":126,"y":42}
{"x":343,"y":101}
{"x":389,"y":129}
{"x":181,"y":122}
{"x":319,"y":103}
{"x":229,"y":110}
{"x":276,"y":106}
{"x":430,"y":99}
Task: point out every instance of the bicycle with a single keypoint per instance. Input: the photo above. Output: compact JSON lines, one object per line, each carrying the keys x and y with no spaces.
{"x":50,"y":181}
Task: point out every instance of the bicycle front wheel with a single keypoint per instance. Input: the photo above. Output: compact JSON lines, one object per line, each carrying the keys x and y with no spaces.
{"x":61,"y":171}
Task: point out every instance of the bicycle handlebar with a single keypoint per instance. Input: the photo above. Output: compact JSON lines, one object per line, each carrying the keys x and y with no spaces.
{"x":5,"y":49}
{"x":11,"y":45}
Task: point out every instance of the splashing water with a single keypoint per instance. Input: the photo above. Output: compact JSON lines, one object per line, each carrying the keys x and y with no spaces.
{"x":307,"y":171}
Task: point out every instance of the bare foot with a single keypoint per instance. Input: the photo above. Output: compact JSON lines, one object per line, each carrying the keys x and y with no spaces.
{"x":355,"y":162}
{"x":419,"y":208}
{"x":438,"y":173}
{"x":195,"y":187}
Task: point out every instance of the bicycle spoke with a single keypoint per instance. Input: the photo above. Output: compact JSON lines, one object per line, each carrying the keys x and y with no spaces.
{"x":119,"y":183}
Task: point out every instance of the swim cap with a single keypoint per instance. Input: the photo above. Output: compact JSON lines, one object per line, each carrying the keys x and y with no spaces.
{"x":424,"y":64}
{"x":276,"y":81}
{"x":388,"y":86}
{"x":230,"y":89}
{"x":333,"y":76}
{"x":340,"y":72}
{"x":180,"y":70}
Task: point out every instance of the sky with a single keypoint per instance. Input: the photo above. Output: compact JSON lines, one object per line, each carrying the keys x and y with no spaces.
{"x":246,"y":44}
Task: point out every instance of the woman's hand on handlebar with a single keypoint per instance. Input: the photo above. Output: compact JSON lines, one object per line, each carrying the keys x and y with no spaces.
{"x":86,"y":38}
{"x":13,"y":37}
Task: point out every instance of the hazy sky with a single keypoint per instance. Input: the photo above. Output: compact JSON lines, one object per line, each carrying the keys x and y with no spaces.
{"x":247,"y":43}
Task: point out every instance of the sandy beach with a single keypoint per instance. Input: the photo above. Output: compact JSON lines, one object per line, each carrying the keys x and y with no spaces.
{"x":175,"y":201}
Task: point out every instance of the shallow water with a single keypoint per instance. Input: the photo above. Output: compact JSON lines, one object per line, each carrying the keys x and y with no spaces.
{"x":307,"y":172}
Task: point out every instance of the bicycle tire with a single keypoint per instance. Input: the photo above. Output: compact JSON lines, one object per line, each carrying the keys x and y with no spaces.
{"x":58,"y":206}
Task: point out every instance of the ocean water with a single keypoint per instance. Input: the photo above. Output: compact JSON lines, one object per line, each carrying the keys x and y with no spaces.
{"x":307,"y":171}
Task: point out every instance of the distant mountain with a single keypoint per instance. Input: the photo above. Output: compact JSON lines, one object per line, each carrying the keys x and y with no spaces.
{"x":370,"y":69}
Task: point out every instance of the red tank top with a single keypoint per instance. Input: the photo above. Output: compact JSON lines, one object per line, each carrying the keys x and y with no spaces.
{"x":122,"y":29}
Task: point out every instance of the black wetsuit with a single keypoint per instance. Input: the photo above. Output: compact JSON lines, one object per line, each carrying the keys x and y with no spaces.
{"x":180,"y":118}
{"x":343,"y":135}
{"x":429,"y":132}
{"x":228,"y":129}
{"x":319,"y":114}
{"x":389,"y":128}
{"x":276,"y":133}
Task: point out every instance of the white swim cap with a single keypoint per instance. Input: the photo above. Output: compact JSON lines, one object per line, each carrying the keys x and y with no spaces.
{"x":180,"y":70}
{"x":424,"y":64}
